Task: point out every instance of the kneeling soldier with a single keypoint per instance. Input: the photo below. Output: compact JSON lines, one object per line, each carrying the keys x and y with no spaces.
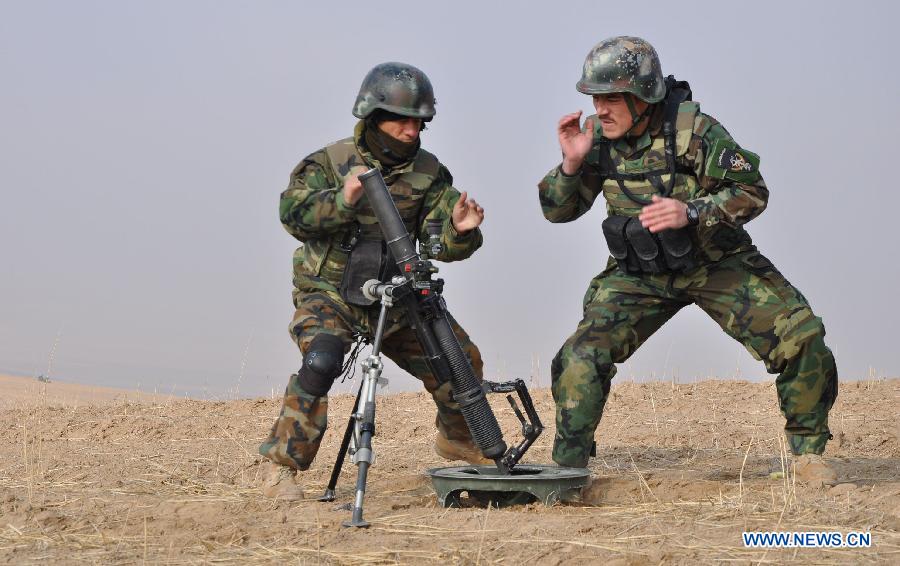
{"x":325,"y":207}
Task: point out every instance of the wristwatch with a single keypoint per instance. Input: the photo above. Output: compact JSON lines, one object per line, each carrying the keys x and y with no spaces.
{"x":693,"y":215}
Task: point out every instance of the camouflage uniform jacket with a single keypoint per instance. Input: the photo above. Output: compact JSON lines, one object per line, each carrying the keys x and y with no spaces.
{"x":313,"y":209}
{"x":712,"y":171}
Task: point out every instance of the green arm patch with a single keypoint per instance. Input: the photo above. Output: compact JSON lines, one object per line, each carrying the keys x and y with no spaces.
{"x":728,"y":161}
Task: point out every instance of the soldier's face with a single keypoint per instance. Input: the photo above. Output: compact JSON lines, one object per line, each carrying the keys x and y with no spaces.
{"x":615,"y":118}
{"x":405,"y":129}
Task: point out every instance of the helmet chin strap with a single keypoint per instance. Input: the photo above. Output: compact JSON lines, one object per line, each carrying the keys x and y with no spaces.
{"x":636,"y":118}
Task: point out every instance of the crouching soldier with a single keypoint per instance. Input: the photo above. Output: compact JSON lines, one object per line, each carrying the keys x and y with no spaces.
{"x":325,"y":207}
{"x":678,"y":193}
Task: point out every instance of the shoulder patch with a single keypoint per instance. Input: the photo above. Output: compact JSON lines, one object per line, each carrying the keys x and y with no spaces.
{"x":728,"y":161}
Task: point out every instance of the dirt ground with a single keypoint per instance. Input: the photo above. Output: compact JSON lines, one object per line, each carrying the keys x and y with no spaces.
{"x":681,"y":471}
{"x":24,"y":392}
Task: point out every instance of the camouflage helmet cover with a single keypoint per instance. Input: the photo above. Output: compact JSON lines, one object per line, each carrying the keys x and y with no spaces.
{"x":398,"y":88}
{"x":623,"y":64}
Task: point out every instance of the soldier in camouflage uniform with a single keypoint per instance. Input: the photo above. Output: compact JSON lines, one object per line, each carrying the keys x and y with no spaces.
{"x":326,"y":209}
{"x":678,"y":192}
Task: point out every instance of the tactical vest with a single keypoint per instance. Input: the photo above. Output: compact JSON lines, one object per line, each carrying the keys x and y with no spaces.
{"x":629,"y":184}
{"x":327,"y":257}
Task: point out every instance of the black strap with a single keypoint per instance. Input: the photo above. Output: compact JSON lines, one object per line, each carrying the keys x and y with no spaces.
{"x":632,"y":196}
{"x":351,"y":237}
{"x":420,"y":217}
{"x":676,"y":93}
{"x":607,"y":174}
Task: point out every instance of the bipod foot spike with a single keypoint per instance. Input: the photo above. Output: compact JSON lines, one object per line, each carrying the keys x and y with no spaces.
{"x":357,"y":520}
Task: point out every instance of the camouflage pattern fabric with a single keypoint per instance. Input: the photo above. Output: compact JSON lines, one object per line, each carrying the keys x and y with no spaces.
{"x":623,"y":64}
{"x":395,"y":87}
{"x":724,"y":204}
{"x":313,"y":210}
{"x":734,"y":284}
{"x":297,"y":433}
{"x":744,"y":294}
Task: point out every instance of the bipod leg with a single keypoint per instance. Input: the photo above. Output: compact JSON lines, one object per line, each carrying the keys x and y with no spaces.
{"x":356,"y":520}
{"x":342,"y":452}
{"x":364,"y":457}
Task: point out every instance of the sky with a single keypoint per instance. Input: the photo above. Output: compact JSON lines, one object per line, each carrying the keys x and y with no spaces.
{"x":144,"y":145}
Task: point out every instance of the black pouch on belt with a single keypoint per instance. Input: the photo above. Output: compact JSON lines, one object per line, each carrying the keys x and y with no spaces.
{"x":677,"y":247}
{"x":364,"y":262}
{"x":645,"y":246}
{"x":614,"y":232}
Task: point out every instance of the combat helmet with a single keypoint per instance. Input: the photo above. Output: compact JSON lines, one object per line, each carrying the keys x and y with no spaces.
{"x":398,"y":88}
{"x":623,"y":64}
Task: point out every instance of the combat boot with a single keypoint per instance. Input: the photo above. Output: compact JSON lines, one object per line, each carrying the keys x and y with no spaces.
{"x":280,"y":482}
{"x":812,"y":470}
{"x":464,"y":450}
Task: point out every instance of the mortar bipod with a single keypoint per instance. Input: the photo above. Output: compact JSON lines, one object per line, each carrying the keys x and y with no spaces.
{"x":531,"y":428}
{"x":361,"y":426}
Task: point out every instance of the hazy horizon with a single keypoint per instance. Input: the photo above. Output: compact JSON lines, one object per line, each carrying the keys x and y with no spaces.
{"x":144,"y":147}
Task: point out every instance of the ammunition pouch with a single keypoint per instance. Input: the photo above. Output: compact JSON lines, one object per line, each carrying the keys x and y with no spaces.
{"x":367,"y":259}
{"x":637,"y":250}
{"x":616,"y":241}
{"x":646,"y":246}
{"x":677,"y":247}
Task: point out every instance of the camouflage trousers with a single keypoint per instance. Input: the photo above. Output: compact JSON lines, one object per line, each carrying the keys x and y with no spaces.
{"x":297,"y":433}
{"x":745,"y":295}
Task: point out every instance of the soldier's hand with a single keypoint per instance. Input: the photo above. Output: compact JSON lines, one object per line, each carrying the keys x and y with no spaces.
{"x":574,"y":143}
{"x":663,"y":214}
{"x":353,"y":189}
{"x":467,"y":214}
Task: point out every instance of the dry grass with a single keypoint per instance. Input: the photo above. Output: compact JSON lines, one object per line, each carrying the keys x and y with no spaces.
{"x":682,"y":470}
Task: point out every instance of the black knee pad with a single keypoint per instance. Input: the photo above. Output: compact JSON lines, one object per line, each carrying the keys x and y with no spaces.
{"x":322,"y":364}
